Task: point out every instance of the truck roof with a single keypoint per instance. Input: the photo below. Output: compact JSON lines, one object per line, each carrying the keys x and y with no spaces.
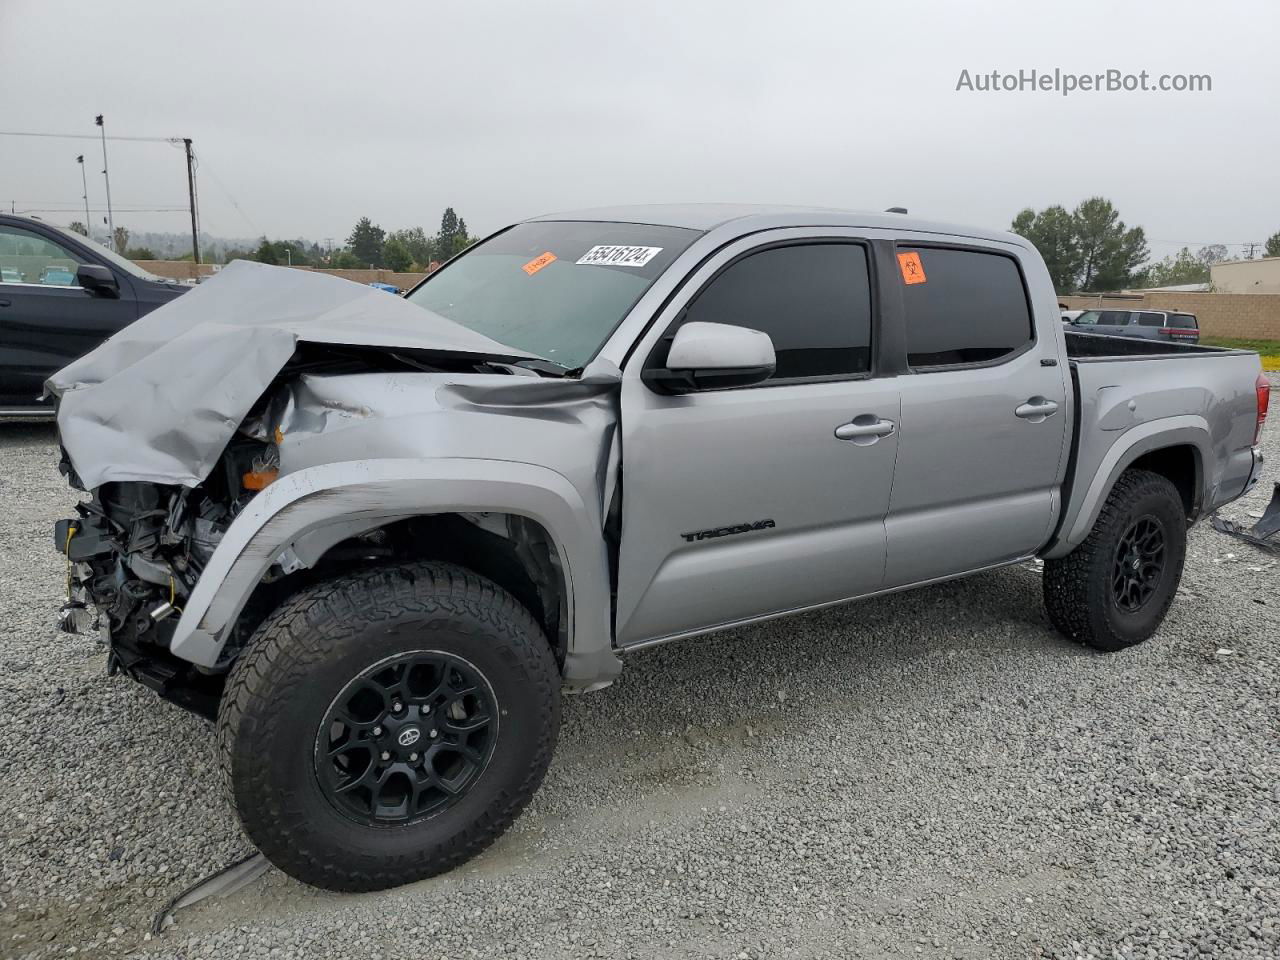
{"x":748,"y":217}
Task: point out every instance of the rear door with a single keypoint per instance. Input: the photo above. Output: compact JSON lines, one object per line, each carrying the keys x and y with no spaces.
{"x":1115,"y":323}
{"x":740,"y":503}
{"x":46,"y":318}
{"x":984,"y":425}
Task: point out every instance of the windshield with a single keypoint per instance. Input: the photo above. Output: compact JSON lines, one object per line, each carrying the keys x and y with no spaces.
{"x":556,"y":289}
{"x":128,"y":266}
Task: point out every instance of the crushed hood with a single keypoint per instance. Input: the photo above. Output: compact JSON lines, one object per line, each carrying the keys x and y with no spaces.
{"x":161,"y":399}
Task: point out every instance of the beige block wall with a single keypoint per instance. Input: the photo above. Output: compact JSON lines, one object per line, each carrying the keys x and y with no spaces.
{"x":1249,"y":316}
{"x":186,"y":270}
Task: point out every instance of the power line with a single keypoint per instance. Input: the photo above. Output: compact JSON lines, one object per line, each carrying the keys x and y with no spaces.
{"x":93,"y":209}
{"x":183,"y":142}
{"x":86,"y":136}
{"x":204,"y":165}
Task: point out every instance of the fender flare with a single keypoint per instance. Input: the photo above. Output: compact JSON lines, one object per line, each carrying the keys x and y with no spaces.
{"x":1186,"y":430}
{"x":324,"y":504}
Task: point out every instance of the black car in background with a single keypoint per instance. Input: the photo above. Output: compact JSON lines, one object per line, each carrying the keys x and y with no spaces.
{"x":61,"y":295}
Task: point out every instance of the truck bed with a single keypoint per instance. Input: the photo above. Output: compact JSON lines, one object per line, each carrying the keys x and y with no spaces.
{"x":1195,"y":396}
{"x":1094,"y":346}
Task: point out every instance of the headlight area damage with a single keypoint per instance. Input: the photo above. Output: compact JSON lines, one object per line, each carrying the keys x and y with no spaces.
{"x":134,"y":553}
{"x":174,"y":426}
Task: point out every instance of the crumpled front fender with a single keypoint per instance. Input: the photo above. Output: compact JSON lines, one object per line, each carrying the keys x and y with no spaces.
{"x":364,"y":494}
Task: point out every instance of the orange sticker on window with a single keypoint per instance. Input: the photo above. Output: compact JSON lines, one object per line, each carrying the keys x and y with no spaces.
{"x":537,"y":263}
{"x":911,"y":267}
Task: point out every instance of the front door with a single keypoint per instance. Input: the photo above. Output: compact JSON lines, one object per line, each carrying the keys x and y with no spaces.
{"x":743,"y":502}
{"x":984,"y":420}
{"x":46,"y":318}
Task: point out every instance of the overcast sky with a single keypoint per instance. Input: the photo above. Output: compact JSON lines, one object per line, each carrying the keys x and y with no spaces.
{"x":306,"y":116}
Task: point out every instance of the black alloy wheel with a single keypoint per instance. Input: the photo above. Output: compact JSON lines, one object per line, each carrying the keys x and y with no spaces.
{"x":406,"y":738}
{"x":1139,"y":563}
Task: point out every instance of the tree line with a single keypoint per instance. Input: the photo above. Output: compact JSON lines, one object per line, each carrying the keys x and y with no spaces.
{"x":1091,"y":250}
{"x":369,"y":245}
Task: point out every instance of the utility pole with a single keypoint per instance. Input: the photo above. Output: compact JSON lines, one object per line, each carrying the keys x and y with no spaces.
{"x":111,"y":224}
{"x":1249,"y":248}
{"x":84,"y":182}
{"x":191,"y":196}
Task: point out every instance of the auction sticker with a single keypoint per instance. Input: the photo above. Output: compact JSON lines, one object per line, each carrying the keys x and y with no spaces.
{"x":911,"y":267}
{"x":537,"y":263}
{"x":618,"y":256}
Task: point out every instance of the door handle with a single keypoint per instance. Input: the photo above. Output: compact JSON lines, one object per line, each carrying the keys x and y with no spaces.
{"x":5,"y":303}
{"x":1037,"y":409}
{"x":865,"y":429}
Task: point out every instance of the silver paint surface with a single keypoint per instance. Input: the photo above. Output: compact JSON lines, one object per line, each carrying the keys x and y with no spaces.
{"x":960,"y":484}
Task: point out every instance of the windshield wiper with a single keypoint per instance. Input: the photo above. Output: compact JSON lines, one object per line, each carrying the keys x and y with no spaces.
{"x":549,"y":367}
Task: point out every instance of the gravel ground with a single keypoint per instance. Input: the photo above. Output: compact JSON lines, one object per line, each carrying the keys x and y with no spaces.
{"x":933,"y":774}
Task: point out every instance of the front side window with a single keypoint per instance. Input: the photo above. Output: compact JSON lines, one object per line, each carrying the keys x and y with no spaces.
{"x":813,"y":300}
{"x":1088,"y":318}
{"x":556,"y":289}
{"x":30,"y":258}
{"x":964,"y":307}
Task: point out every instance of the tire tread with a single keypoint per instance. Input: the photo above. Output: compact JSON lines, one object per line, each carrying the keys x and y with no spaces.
{"x":303,"y":631}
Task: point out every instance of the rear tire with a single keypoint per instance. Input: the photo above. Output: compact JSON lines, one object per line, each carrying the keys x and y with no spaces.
{"x":1114,"y":589}
{"x":386,"y":726}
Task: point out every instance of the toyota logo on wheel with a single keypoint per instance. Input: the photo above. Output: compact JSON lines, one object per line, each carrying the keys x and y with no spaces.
{"x":409,"y":736}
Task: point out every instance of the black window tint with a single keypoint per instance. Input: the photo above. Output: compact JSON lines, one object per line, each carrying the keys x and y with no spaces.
{"x":814,"y":301}
{"x":1151,"y":319}
{"x":971,"y":308}
{"x":1114,"y":318}
{"x":1183,"y":321}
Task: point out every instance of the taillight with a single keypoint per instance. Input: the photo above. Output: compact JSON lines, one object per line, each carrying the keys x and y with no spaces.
{"x":1169,"y":331}
{"x":1264,"y":400}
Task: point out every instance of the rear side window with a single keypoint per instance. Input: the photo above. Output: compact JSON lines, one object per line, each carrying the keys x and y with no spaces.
{"x":813,"y":300}
{"x":1151,"y":319}
{"x":971,"y":307}
{"x":1182,"y":321}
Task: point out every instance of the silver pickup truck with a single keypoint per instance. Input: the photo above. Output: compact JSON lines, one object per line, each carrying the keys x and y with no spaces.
{"x":375,"y":537}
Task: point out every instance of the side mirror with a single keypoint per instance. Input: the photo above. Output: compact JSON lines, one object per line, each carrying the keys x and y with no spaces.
{"x":98,"y":280}
{"x":707,"y":356}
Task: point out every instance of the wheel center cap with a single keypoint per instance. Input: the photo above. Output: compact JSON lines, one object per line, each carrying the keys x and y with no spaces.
{"x":408,"y":736}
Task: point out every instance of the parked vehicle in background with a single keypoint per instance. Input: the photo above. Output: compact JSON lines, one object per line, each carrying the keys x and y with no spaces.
{"x":389,"y":287}
{"x":61,"y":295}
{"x":378,"y":553}
{"x":1173,"y":325}
{"x":1069,"y":316}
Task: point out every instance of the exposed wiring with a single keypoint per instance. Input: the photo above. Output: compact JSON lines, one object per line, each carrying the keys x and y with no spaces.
{"x":66,"y":549}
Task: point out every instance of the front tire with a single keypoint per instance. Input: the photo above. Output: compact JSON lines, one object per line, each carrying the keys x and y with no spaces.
{"x":386,"y":726}
{"x":1114,"y":589}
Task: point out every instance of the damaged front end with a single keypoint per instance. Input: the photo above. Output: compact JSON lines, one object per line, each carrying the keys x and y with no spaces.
{"x":135,"y":551}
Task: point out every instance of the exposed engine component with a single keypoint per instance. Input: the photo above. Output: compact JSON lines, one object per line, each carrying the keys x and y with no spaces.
{"x":135,"y":551}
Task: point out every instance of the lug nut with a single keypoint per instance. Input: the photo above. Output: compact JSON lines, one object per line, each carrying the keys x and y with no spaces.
{"x":396,"y":706}
{"x":377,"y":731}
{"x":413,"y":758}
{"x":432,"y":733}
{"x":385,"y":755}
